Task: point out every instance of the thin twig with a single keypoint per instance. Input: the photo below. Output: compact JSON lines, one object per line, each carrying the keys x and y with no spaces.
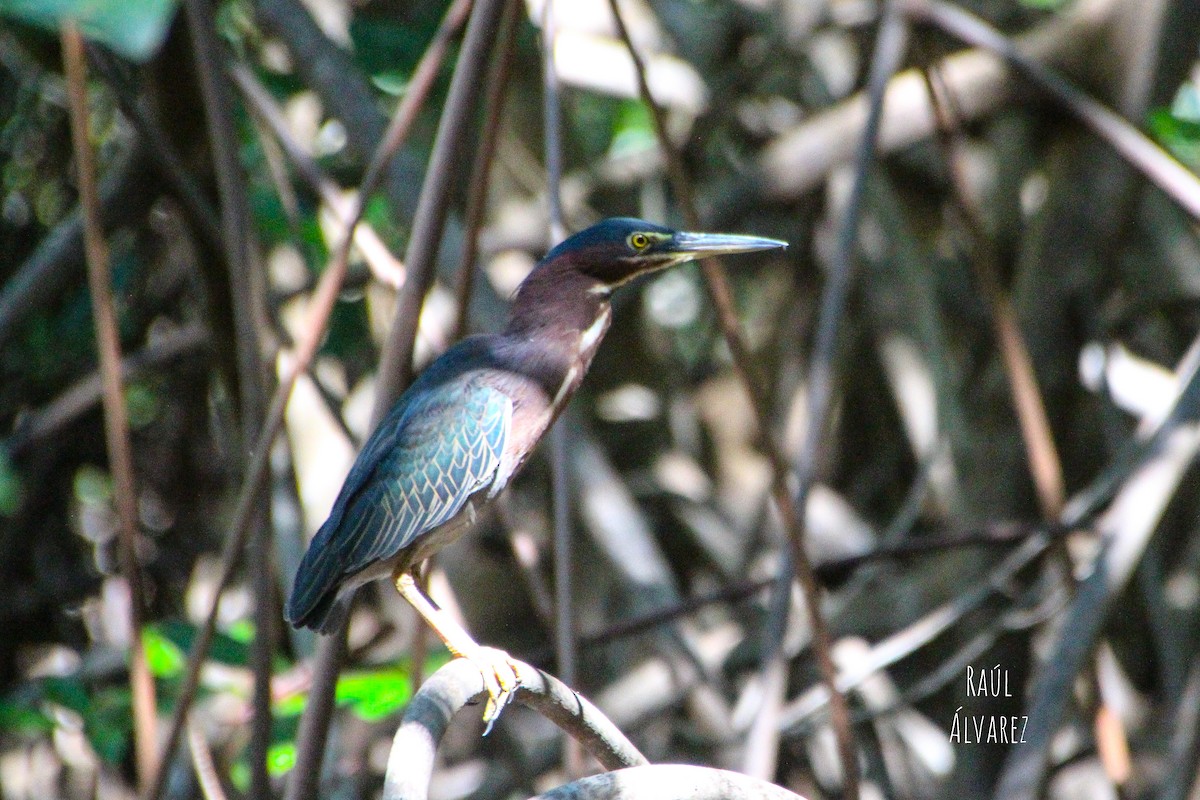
{"x":247,"y":283}
{"x":565,"y":647}
{"x":800,"y":159}
{"x":320,"y":307}
{"x":202,"y":763}
{"x":1125,"y":528}
{"x":116,"y":419}
{"x":386,"y":268}
{"x":1165,"y":172}
{"x":1181,"y":775}
{"x":994,"y":535}
{"x":81,"y":396}
{"x":481,"y":168}
{"x":1045,"y":466}
{"x":126,"y":194}
{"x":160,"y":149}
{"x":790,"y":509}
{"x":395,"y":366}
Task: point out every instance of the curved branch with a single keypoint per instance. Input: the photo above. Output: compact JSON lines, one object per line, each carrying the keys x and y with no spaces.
{"x":456,"y":684}
{"x":669,"y":782}
{"x":576,"y":715}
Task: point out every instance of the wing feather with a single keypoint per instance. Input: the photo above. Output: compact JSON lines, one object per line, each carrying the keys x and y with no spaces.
{"x":415,"y":474}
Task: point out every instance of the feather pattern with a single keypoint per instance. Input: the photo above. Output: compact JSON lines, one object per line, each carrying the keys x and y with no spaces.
{"x":439,"y":445}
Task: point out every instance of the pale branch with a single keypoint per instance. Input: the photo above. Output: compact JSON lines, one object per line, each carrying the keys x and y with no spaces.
{"x":800,"y":159}
{"x":669,"y":782}
{"x":457,"y":684}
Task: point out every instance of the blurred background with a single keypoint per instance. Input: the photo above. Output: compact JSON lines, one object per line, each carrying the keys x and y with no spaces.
{"x":997,"y":480}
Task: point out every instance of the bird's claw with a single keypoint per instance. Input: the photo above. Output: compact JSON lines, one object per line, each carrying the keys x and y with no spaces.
{"x":501,"y":678}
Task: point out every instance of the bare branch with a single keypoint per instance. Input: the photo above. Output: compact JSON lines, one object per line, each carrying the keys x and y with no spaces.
{"x":481,"y":168}
{"x":247,"y":283}
{"x":395,"y":368}
{"x":798,"y":160}
{"x":321,"y":306}
{"x":456,"y":684}
{"x":1179,"y":183}
{"x":1125,"y":529}
{"x":669,"y":782}
{"x":790,"y":510}
{"x":116,"y":418}
{"x":386,"y":268}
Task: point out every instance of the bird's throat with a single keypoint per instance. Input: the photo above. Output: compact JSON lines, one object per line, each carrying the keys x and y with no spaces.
{"x":584,"y":350}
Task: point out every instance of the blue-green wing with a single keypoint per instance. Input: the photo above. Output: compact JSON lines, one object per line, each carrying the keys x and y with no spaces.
{"x":446,"y":453}
{"x":416,"y":473}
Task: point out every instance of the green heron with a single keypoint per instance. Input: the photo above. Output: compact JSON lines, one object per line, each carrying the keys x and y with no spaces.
{"x":467,"y":424}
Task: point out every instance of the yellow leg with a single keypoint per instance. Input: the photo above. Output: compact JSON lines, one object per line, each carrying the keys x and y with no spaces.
{"x":500,"y":672}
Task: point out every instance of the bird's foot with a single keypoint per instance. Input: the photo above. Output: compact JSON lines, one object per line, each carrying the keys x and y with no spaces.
{"x":501,"y":678}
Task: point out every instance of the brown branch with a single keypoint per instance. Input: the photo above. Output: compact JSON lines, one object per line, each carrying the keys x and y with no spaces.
{"x":790,"y":510}
{"x":203,"y":764}
{"x":247,"y":283}
{"x":481,"y":169}
{"x":565,"y":645}
{"x":321,"y":306}
{"x":116,"y":428}
{"x":396,"y":361}
{"x":395,"y":369}
{"x":1045,"y":466}
{"x":458,"y":683}
{"x":1174,"y":179}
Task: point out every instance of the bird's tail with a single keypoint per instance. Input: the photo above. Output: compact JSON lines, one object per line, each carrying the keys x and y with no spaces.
{"x":325,"y":616}
{"x":314,"y":602}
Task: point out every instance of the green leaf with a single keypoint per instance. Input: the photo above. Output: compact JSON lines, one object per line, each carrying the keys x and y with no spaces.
{"x":291,"y":705}
{"x":1171,"y":128}
{"x":281,"y":758}
{"x":1180,"y":135}
{"x":633,"y":129}
{"x":164,"y":657}
{"x":239,"y":775}
{"x":108,"y":723}
{"x":394,"y":43}
{"x":68,"y":692}
{"x":23,"y":718}
{"x":225,"y":649}
{"x":373,"y":695}
{"x":392,"y":83}
{"x":133,"y":28}
{"x":241,"y":631}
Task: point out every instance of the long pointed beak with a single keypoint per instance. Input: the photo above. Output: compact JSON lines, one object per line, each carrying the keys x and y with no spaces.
{"x":719,"y":244}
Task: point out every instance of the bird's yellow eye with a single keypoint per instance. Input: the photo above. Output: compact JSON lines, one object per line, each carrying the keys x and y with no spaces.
{"x":639,"y":241}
